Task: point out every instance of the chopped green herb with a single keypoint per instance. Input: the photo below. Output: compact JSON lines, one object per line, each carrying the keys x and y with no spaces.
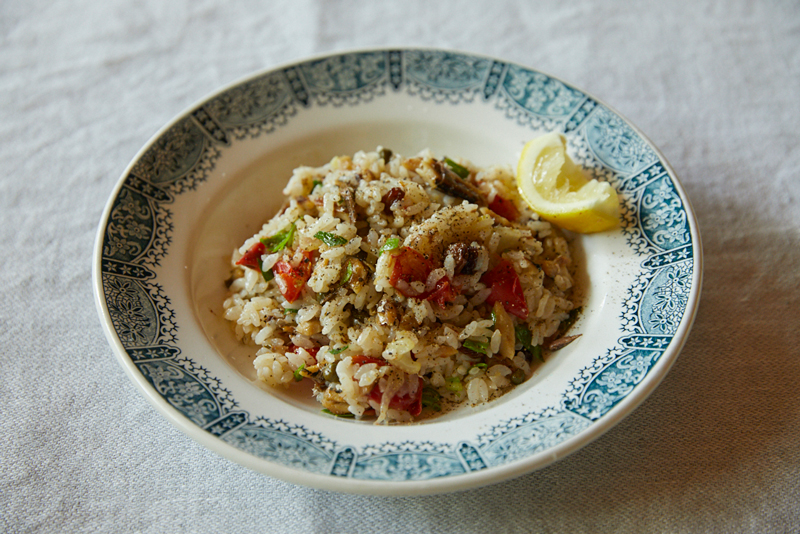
{"x":454,"y":384}
{"x":339,"y":350}
{"x":290,"y":310}
{"x":524,"y":337}
{"x":266,"y":274}
{"x":327,"y":411}
{"x":494,"y":318}
{"x":385,"y":155}
{"x":475,"y":346}
{"x":315,"y":184}
{"x":391,"y":244}
{"x":280,"y":240}
{"x":431,"y":398}
{"x":298,"y":373}
{"x":332,"y":240}
{"x":460,"y":170}
{"x":536,"y":352}
{"x":479,"y":366}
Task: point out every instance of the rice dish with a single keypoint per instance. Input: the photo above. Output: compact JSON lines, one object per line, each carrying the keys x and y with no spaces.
{"x":401,"y":286}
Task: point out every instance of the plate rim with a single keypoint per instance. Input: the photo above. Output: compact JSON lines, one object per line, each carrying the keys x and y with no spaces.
{"x":448,"y":483}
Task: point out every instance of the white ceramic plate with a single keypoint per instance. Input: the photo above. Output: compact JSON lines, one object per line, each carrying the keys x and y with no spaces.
{"x":211,"y":177}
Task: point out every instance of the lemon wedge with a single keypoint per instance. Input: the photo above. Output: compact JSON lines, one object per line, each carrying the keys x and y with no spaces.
{"x":557,"y":189}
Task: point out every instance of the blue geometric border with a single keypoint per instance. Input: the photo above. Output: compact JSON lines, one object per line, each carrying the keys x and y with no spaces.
{"x":138,"y":232}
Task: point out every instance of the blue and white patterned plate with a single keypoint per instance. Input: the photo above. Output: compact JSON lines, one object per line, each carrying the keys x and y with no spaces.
{"x":211,"y":177}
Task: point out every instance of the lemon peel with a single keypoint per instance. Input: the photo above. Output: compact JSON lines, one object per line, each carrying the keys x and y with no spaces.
{"x":557,"y":189}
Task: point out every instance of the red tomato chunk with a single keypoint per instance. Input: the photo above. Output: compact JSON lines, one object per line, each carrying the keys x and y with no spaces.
{"x":291,"y":279}
{"x":252,"y":258}
{"x":410,"y":401}
{"x":409,"y":266}
{"x":506,"y":288}
{"x":504,"y":208}
{"x":443,"y":293}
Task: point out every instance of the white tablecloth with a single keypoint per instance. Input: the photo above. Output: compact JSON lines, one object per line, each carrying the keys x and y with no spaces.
{"x":716,"y":85}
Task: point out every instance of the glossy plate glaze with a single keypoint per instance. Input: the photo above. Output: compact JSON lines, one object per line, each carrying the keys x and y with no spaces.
{"x":210,"y":178}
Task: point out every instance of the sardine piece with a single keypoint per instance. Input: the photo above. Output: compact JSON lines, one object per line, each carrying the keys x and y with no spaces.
{"x":450,"y":183}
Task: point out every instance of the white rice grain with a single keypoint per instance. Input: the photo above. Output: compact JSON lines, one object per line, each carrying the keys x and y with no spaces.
{"x":477,"y":391}
{"x":494,"y":344}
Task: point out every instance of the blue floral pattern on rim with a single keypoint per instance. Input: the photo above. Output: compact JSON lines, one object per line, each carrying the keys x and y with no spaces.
{"x":137,"y":235}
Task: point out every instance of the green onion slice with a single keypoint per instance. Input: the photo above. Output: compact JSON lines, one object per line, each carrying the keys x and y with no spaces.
{"x":339,"y":350}
{"x":348,"y":273}
{"x":327,"y":411}
{"x":475,"y":346}
{"x":431,"y":398}
{"x":454,"y":384}
{"x":460,"y":170}
{"x":391,"y":244}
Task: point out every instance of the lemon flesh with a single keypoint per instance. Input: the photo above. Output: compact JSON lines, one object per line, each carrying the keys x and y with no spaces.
{"x":557,"y":189}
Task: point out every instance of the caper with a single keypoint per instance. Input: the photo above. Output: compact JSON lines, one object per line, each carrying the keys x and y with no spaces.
{"x":329,"y":373}
{"x":518,"y":376}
